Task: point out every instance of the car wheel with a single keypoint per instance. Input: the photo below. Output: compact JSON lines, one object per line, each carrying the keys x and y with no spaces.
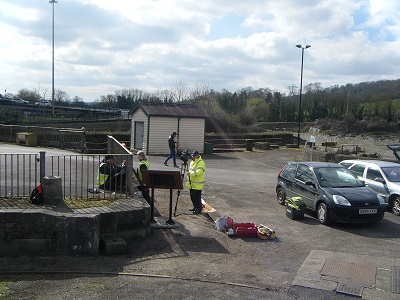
{"x":396,"y":206}
{"x":280,"y":195}
{"x":323,"y":214}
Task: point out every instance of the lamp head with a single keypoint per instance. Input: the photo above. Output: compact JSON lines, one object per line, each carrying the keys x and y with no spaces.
{"x":298,"y":45}
{"x":308,"y":46}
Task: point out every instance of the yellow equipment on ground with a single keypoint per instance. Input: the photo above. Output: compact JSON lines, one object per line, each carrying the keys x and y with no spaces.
{"x":265,"y":232}
{"x":295,"y":202}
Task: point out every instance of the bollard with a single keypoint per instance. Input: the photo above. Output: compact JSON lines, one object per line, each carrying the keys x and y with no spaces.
{"x":52,"y":190}
{"x":249,"y":145}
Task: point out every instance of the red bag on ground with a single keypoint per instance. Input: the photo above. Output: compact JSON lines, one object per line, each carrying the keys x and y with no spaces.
{"x":37,"y":195}
{"x":245,"y":229}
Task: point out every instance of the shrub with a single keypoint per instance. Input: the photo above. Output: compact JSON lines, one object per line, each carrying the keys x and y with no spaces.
{"x":9,"y":116}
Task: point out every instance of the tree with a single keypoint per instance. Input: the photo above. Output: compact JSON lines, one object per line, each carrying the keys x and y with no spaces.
{"x":61,"y":96}
{"x":179,"y":91}
{"x":232,"y":103}
{"x":208,"y":102}
{"x":42,"y":92}
{"x":109,"y":101}
{"x":259,"y":108}
{"x":199,"y":91}
{"x":78,"y":101}
{"x":29,"y":95}
{"x":275,"y":107}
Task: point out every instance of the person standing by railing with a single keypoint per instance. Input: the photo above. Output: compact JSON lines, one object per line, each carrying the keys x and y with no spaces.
{"x":143,"y":166}
{"x":111,"y":175}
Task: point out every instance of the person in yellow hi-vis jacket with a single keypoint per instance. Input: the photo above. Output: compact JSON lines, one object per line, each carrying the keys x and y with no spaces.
{"x":195,"y":182}
{"x":110,"y":176}
{"x":143,"y":166}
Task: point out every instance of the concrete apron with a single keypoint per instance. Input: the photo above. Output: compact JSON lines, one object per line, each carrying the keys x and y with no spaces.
{"x":363,"y":276}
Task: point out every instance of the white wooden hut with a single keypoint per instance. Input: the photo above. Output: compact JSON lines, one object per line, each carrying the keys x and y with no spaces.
{"x":153,"y":122}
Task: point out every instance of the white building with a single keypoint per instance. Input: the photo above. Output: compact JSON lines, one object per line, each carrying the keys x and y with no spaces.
{"x":153,"y":123}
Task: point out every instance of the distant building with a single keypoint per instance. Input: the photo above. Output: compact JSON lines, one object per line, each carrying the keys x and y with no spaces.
{"x":125,"y":114}
{"x":152,"y":123}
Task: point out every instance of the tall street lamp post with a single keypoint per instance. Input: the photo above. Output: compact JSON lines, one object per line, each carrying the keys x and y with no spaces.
{"x":301,"y":87}
{"x":52,"y":76}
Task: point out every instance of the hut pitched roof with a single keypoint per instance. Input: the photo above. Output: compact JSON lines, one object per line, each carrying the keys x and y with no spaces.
{"x":170,"y":109}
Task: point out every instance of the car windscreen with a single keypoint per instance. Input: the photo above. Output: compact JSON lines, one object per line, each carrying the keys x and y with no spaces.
{"x":337,"y":177}
{"x":392,"y":173}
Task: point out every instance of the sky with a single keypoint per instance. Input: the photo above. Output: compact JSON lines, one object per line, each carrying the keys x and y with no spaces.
{"x":101,"y":46}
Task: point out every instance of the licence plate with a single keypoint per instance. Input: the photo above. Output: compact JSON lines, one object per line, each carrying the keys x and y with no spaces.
{"x":364,"y":211}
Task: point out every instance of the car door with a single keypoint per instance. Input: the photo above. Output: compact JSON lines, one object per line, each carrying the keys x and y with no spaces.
{"x":302,"y":186}
{"x":375,"y":180}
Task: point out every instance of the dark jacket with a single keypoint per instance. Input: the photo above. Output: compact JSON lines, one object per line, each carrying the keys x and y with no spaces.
{"x":171,"y":142}
{"x":108,"y":170}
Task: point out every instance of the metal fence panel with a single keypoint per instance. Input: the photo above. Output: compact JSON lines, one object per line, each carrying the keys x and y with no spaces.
{"x":47,"y":136}
{"x":79,"y":176}
{"x":19,"y":174}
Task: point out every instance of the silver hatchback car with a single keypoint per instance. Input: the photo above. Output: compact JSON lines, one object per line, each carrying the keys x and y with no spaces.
{"x":381,"y":176}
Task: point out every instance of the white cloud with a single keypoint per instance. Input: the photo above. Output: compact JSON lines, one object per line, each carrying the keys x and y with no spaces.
{"x":383,"y":11}
{"x":102,"y":45}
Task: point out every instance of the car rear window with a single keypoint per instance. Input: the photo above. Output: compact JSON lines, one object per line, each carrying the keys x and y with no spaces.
{"x":358,"y":170}
{"x":305,"y":174}
{"x":289,"y":171}
{"x":346,"y":164}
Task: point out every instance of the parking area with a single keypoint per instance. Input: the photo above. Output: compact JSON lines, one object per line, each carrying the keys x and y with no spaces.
{"x":242,"y":185}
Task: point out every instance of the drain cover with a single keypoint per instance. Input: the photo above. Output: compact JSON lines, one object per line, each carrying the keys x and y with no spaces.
{"x":349,"y":289}
{"x":395,"y":279}
{"x":343,"y":271}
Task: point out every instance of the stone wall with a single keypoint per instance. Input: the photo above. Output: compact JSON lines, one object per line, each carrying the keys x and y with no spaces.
{"x":45,"y":231}
{"x":334,"y":157}
{"x":229,"y":141}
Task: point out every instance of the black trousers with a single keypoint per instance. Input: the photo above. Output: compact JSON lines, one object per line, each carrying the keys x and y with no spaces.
{"x":115,"y":183}
{"x":146,"y":195}
{"x":195,"y":196}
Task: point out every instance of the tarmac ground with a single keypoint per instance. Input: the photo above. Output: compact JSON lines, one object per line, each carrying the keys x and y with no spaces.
{"x":193,"y":260}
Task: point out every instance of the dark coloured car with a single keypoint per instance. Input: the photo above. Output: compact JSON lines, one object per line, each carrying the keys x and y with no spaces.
{"x":330,"y":190}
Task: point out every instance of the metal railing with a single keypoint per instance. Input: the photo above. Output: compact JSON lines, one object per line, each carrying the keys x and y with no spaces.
{"x":79,"y":176}
{"x":20,"y":173}
{"x":46,"y":136}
